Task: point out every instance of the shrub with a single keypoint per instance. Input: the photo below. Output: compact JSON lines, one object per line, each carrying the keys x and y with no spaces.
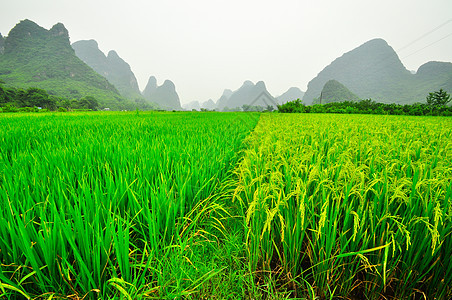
{"x":439,"y":98}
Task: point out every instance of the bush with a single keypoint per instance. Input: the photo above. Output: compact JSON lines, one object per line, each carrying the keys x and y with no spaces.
{"x":28,"y":109}
{"x":9,"y":108}
{"x":82,"y":109}
{"x":367,"y":107}
{"x":292,"y":107}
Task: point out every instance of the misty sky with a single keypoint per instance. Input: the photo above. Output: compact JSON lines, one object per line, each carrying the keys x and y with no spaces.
{"x":205,"y":46}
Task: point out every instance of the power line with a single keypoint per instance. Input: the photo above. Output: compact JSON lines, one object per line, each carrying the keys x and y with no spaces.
{"x":429,"y":45}
{"x":424,"y":35}
{"x":380,"y":64}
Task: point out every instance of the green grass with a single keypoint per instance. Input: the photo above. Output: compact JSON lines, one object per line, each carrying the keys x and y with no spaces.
{"x":349,"y":206}
{"x":152,"y":205}
{"x":100,"y":205}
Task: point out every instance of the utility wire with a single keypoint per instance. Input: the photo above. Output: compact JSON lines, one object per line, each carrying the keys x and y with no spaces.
{"x":428,"y":45}
{"x":424,"y":35}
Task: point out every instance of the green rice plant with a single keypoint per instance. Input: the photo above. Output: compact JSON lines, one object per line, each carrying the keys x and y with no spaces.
{"x":112,"y":205}
{"x":349,"y":206}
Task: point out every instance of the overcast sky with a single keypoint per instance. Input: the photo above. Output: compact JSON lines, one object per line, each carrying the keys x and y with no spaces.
{"x":206,"y":46}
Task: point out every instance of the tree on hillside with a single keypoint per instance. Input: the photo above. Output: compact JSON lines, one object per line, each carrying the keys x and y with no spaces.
{"x":87,"y":102}
{"x":3,"y":94}
{"x":39,"y":98}
{"x":439,"y":98}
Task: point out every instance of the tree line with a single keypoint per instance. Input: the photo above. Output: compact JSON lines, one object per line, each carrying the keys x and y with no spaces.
{"x":35,"y":99}
{"x":436,"y":105}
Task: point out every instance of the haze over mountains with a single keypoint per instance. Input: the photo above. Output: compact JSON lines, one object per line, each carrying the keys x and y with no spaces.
{"x":33,"y":56}
{"x":83,"y":69}
{"x":119,"y":73}
{"x":248,"y":94}
{"x":292,"y":94}
{"x":165,"y":95}
{"x":374,"y":70}
{"x":112,"y":67}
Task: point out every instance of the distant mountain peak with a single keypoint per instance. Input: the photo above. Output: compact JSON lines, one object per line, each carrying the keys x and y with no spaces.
{"x":26,"y":24}
{"x":169,"y":84}
{"x":27,"y":28}
{"x":151,"y":86}
{"x":165,"y":96}
{"x":248,"y":94}
{"x":248,"y":83}
{"x":209,"y":104}
{"x":294,"y":89}
{"x":90,"y":43}
{"x":366,"y":70}
{"x":334,"y":91}
{"x":292,"y":93}
{"x":23,"y":35}
{"x":374,"y":70}
{"x":434,"y":68}
{"x":227,"y":93}
{"x":112,"y":66}
{"x":376,"y":41}
{"x":261,"y":84}
{"x":59,"y":30}
{"x":113,"y":54}
{"x":152,"y":79}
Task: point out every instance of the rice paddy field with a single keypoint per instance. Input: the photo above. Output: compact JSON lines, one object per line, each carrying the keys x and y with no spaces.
{"x":190,"y":205}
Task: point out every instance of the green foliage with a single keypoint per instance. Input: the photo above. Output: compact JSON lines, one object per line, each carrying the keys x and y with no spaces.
{"x":367,"y":107}
{"x":295,"y":106}
{"x":35,"y":99}
{"x":439,"y":98}
{"x":87,"y":102}
{"x":9,"y":108}
{"x":269,"y":108}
